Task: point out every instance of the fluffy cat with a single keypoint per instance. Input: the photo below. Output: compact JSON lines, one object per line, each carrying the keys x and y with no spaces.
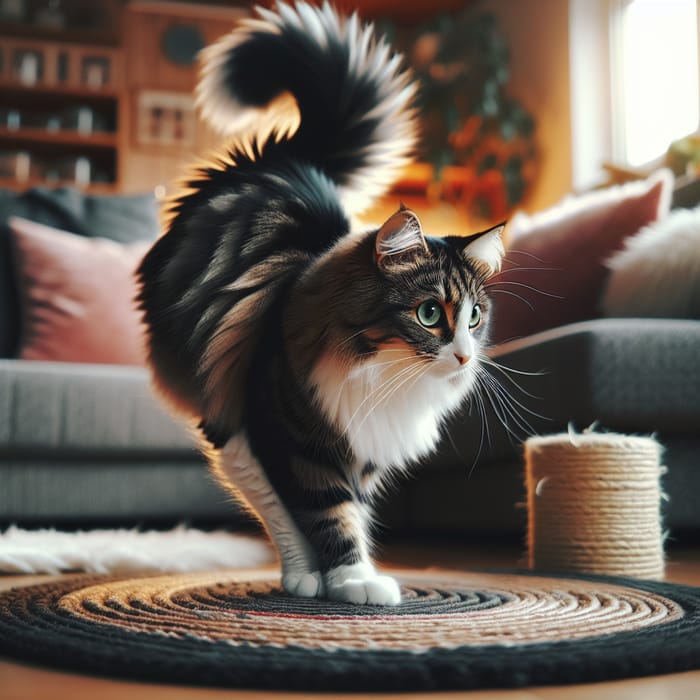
{"x":317,"y":361}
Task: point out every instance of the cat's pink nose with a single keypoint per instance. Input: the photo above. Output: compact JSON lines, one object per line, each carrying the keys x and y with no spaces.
{"x":462,"y":359}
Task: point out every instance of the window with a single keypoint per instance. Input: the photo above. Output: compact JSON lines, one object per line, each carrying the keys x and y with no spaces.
{"x":634,"y":81}
{"x":654,"y":52}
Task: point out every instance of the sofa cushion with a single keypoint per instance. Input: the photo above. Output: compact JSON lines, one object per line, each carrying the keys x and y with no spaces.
{"x":658,"y":272}
{"x":77,"y":296}
{"x":123,"y":218}
{"x":59,"y":407}
{"x":554,"y":269}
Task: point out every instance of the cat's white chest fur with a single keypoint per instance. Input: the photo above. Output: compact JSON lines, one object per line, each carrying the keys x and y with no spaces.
{"x":390,"y":412}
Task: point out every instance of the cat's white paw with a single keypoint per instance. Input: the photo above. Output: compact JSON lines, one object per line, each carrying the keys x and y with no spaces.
{"x":305,"y":585}
{"x":362,"y":585}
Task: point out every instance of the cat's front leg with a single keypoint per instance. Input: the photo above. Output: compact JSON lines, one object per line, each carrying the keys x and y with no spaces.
{"x":299,"y":574}
{"x":361,"y":584}
{"x":340,"y":536}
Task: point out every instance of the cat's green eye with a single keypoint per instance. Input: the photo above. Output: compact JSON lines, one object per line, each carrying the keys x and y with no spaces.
{"x":475,"y":318}
{"x":429,"y":313}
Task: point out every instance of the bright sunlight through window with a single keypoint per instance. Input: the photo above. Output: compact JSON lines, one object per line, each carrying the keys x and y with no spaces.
{"x":658,"y":76}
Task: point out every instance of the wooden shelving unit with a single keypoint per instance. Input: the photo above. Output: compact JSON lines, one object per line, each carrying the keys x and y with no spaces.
{"x":106,"y":37}
{"x":32,"y":135}
{"x":62,"y":105}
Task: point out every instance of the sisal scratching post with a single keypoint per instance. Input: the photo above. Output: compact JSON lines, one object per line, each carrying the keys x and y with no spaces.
{"x":594,"y":504}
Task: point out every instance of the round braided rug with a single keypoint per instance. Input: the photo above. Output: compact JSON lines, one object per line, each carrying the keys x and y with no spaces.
{"x":452,"y":631}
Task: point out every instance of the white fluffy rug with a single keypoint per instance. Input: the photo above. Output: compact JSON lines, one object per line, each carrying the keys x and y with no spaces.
{"x":120,"y":551}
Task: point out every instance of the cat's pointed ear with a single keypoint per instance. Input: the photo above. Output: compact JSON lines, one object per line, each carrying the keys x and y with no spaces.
{"x":485,"y":246}
{"x":400,"y":234}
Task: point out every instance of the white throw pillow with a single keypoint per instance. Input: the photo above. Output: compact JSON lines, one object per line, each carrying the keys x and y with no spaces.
{"x":658,"y":272}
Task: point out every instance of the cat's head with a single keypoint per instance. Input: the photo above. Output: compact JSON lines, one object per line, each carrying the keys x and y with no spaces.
{"x":401,"y":330}
{"x":427,"y":299}
{"x":390,"y":325}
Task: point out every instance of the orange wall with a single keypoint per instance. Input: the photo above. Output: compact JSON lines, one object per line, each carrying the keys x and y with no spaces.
{"x":147,"y":166}
{"x":537,"y":32}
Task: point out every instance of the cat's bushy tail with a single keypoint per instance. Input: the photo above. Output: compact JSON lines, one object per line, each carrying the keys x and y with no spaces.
{"x":327,"y":83}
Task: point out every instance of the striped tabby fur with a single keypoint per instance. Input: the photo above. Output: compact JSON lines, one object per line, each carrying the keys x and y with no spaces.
{"x":307,"y":352}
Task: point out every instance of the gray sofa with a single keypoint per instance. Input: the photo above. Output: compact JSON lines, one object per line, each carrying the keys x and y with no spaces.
{"x":89,"y":444}
{"x":85,"y":444}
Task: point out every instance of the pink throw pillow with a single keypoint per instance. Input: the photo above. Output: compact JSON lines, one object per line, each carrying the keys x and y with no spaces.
{"x":77,"y":296}
{"x":555,"y":260}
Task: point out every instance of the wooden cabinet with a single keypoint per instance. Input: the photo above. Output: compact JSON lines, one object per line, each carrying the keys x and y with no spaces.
{"x":60,"y":120}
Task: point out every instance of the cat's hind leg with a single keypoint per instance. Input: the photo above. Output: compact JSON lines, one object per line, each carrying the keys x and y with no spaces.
{"x":239,"y":470}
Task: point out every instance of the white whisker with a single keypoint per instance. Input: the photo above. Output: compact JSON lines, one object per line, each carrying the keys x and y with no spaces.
{"x":524,"y":252}
{"x":490,"y":361}
{"x":502,"y":418}
{"x":533,"y":413}
{"x":504,"y":371}
{"x":512,"y":294}
{"x":504,"y":406}
{"x":484,"y":432}
{"x":372,"y":393}
{"x":518,"y":268}
{"x":387,"y":389}
{"x":345,"y":341}
{"x":525,"y":286}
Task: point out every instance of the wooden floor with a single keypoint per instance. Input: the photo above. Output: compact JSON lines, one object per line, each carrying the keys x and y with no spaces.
{"x":24,"y":682}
